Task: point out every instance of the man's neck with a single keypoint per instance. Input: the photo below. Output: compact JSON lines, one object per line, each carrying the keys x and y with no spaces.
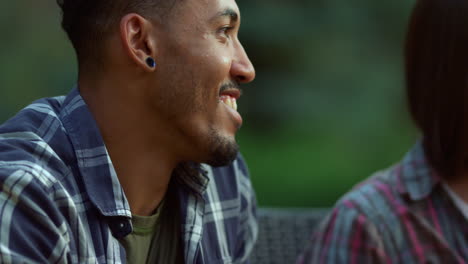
{"x":139,"y":150}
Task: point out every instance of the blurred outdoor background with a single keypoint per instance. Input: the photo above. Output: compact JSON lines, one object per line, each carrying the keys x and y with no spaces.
{"x":327,"y":107}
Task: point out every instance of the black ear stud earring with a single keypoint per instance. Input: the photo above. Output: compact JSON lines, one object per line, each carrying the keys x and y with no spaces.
{"x":150,"y":61}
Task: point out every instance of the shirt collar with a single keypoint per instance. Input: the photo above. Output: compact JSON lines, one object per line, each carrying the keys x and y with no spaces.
{"x":98,"y":173}
{"x":193,"y":176}
{"x":415,"y":177}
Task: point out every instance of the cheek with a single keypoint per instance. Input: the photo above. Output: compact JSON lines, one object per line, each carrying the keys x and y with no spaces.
{"x":226,"y":61}
{"x":212,"y":71}
{"x":216,"y":69}
{"x":225,"y":64}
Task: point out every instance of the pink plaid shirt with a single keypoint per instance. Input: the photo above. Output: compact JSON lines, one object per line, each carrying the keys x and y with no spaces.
{"x":400,"y":215}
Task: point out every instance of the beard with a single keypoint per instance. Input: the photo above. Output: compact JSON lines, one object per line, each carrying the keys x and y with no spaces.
{"x":223,"y":150}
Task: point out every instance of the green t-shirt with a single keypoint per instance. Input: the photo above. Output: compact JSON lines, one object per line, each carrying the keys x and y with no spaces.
{"x":152,"y":239}
{"x":138,"y":244}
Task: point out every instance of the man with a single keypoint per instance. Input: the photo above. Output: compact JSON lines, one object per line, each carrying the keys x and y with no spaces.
{"x":417,"y":210}
{"x":114,"y":172}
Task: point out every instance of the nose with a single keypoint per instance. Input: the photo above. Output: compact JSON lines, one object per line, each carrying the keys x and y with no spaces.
{"x":242,"y":69}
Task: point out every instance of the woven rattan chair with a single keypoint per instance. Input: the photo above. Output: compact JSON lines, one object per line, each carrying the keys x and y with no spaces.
{"x":283,"y":233}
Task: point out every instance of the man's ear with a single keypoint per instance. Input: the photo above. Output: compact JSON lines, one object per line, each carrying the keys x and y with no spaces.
{"x":137,"y":40}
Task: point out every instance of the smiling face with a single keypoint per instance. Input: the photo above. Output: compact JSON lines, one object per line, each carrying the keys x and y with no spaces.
{"x":200,"y":66}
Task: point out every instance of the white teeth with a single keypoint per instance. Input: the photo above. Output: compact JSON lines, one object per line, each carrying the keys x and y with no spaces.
{"x":234,"y":103}
{"x":229,"y":101}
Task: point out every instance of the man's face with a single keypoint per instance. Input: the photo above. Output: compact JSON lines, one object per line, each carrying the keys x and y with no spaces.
{"x":200,"y":65}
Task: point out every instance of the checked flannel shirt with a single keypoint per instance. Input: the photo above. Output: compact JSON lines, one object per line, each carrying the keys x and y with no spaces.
{"x":61,"y":201}
{"x":400,"y":215}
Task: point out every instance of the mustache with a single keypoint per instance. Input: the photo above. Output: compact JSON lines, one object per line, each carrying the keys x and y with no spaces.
{"x":230,"y":85}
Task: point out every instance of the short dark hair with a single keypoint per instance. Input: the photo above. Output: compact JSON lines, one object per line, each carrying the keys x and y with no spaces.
{"x":436,"y":61}
{"x":88,"y":22}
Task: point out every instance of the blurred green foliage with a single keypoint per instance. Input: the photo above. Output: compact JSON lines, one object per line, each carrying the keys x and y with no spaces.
{"x":326,"y":110}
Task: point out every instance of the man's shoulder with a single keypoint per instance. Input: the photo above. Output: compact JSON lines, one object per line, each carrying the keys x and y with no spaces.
{"x":39,"y":121}
{"x":31,"y":117}
{"x":20,"y":163}
{"x":34,"y":140}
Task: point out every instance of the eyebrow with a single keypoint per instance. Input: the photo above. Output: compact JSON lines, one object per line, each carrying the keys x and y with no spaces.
{"x":228,"y":12}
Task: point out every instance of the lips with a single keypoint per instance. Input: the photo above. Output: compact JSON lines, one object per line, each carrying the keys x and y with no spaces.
{"x":229,"y":97}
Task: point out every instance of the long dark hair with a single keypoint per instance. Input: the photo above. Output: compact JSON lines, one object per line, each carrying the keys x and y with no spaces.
{"x":436,"y":58}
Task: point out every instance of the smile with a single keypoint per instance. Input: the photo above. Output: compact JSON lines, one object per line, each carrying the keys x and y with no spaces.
{"x":229,"y":97}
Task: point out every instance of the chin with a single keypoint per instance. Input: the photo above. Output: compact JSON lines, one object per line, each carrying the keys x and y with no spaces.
{"x":223,"y":150}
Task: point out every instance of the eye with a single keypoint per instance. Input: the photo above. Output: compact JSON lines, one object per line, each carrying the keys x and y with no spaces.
{"x":225,"y":31}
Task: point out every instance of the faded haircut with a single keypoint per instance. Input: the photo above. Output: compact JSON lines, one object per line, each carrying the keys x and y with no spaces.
{"x":89,"y":22}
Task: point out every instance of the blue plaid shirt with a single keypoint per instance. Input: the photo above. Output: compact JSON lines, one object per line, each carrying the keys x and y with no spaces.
{"x":61,"y":201}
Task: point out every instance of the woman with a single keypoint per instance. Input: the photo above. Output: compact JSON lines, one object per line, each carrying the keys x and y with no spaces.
{"x":417,"y":210}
